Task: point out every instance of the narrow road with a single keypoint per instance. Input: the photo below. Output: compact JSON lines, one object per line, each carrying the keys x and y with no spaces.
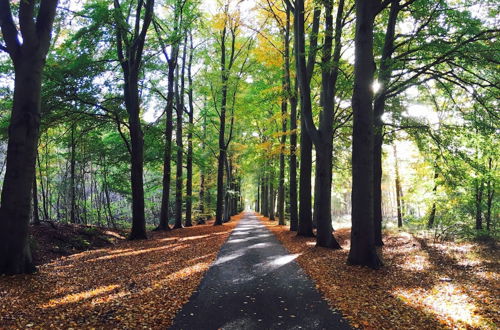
{"x":256,"y":284}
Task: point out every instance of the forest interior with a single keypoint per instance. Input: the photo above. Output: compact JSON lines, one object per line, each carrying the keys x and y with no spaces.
{"x":249,"y":164}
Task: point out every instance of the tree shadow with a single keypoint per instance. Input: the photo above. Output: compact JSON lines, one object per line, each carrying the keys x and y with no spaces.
{"x":131,"y":284}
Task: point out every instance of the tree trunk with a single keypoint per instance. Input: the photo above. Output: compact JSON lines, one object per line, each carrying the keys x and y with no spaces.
{"x":222,"y":133}
{"x":257,"y":203}
{"x":15,"y":210}
{"x":271,"y":198}
{"x":384,"y":76}
{"x":24,"y":126}
{"x":490,"y":193}
{"x":137,"y":158}
{"x":281,"y":186}
{"x":363,"y":250}
{"x":284,"y":105}
{"x":189,"y":157}
{"x":36,"y":215}
{"x":304,"y":75}
{"x":399,"y":192}
{"x":130,"y":46}
{"x":265,"y":194}
{"x":294,"y":216}
{"x":44,"y":198}
{"x":72,"y":176}
{"x":479,"y":188}
{"x":432,"y":215}
{"x":292,"y":95}
{"x":178,"y":140}
{"x":167,"y":156}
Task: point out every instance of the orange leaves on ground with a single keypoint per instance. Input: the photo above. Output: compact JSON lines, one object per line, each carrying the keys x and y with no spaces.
{"x":133,"y":284}
{"x":423,"y":285}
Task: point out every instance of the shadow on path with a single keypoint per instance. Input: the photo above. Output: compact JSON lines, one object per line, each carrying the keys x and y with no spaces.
{"x":256,"y":284}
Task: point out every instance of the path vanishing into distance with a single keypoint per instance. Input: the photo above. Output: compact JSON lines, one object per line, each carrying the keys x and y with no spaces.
{"x":255,"y":283}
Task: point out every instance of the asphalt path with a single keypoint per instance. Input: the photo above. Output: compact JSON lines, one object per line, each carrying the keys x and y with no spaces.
{"x":255,"y":283}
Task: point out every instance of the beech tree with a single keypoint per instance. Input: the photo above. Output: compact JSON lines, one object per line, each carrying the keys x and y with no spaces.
{"x":363,"y":251}
{"x":130,"y":47}
{"x":27,"y":46}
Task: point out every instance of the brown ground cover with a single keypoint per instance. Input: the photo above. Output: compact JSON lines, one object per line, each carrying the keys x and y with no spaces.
{"x":424,"y":285}
{"x":132,"y":284}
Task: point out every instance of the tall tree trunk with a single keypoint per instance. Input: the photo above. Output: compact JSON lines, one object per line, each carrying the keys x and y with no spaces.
{"x":36,"y":215}
{"x":108,"y":199}
{"x":292,"y":95}
{"x":305,"y":227}
{"x":130,"y":46}
{"x":265,"y":194}
{"x":189,"y":157}
{"x":384,"y":76}
{"x":363,"y":250}
{"x":272,"y":195}
{"x":222,"y":132}
{"x":178,"y":140}
{"x":432,"y":215}
{"x":399,"y":192}
{"x":72,"y":176}
{"x":479,"y":188}
{"x":257,"y":203}
{"x":167,"y":157}
{"x":281,"y":179}
{"x":227,"y":196}
{"x":137,"y":158}
{"x":28,"y":59}
{"x":294,"y":212}
{"x":44,"y":198}
{"x":490,"y":193}
{"x":284,"y":113}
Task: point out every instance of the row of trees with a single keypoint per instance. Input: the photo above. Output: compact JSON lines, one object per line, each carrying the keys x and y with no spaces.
{"x":74,"y":134}
{"x":250,"y":101}
{"x":400,"y":47}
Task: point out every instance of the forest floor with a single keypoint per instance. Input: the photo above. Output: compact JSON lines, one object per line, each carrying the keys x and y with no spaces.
{"x":424,"y":284}
{"x":129,"y":284}
{"x":52,"y":240}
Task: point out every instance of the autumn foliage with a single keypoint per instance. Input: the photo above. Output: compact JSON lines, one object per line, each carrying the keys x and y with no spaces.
{"x":130,"y":285}
{"x":424,"y":285}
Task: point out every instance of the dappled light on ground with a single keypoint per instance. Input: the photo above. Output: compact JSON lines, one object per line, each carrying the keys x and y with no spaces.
{"x":131,"y":285}
{"x":424,"y":285}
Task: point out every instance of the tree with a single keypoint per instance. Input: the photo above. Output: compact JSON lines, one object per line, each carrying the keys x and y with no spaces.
{"x":305,"y":227}
{"x":363,"y":251}
{"x":130,"y":47}
{"x":322,"y":137}
{"x":28,"y":56}
{"x":230,"y":50}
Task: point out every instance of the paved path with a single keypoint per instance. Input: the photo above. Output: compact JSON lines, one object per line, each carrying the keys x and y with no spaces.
{"x":256,"y":284}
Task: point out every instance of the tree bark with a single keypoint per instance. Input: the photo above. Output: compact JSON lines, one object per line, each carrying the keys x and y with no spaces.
{"x":72,"y":176}
{"x":399,"y":192}
{"x":305,"y":227}
{"x":28,"y":59}
{"x":36,"y":215}
{"x":130,"y":53}
{"x":479,"y":188}
{"x":432,"y":215}
{"x":284,"y":113}
{"x":363,"y":250}
{"x":167,"y":156}
{"x":178,"y":139}
{"x":384,"y":76}
{"x":490,"y":193}
{"x":189,"y":157}
{"x":222,"y":131}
